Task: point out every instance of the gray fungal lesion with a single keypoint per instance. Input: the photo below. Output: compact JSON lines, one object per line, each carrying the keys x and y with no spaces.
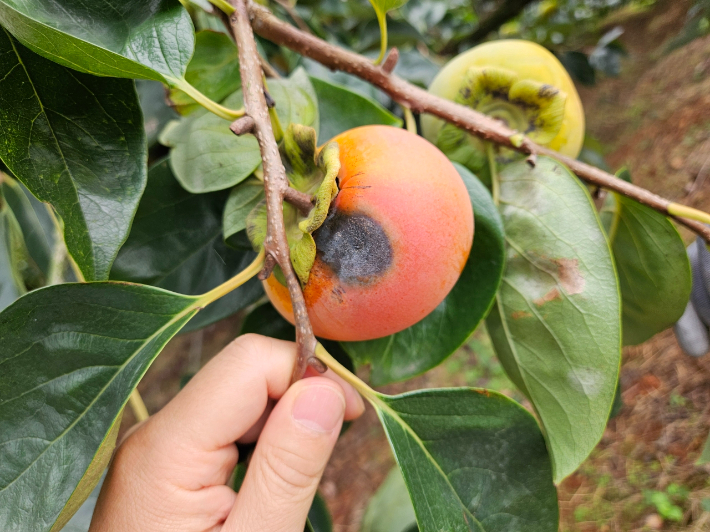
{"x":354,"y":246}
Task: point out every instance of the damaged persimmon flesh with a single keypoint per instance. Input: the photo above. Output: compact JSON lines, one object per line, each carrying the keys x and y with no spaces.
{"x":396,"y":239}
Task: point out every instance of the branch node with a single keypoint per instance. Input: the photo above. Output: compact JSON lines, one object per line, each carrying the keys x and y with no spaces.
{"x":270,"y":102}
{"x":269,"y":263}
{"x":300,"y":200}
{"x":242,"y":125}
{"x":391,"y":60}
{"x":317,"y":365}
{"x":532,"y":160}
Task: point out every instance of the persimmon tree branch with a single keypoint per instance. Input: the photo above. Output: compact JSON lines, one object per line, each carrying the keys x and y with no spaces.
{"x":275,"y":181}
{"x":265,"y":24}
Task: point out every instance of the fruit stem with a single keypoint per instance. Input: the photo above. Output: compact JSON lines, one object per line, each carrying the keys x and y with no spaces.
{"x":382,"y":21}
{"x":342,"y":372}
{"x":493,"y":168}
{"x":676,"y":209}
{"x":138,"y":406}
{"x":207,"y":103}
{"x":233,"y":283}
{"x":222,"y":6}
{"x":409,"y":120}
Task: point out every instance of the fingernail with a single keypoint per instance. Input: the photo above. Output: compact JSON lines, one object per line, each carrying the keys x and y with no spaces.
{"x":319,"y":408}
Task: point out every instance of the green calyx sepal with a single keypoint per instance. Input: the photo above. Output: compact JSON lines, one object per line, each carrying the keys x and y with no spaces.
{"x":310,"y":170}
{"x":531,"y":108}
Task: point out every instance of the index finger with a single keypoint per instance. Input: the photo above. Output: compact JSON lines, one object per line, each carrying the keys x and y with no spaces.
{"x":229,"y":395}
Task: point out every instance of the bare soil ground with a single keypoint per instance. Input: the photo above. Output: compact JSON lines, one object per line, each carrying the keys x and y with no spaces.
{"x":655,"y":119}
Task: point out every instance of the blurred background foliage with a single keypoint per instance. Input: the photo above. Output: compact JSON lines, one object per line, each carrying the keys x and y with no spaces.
{"x":584,"y":34}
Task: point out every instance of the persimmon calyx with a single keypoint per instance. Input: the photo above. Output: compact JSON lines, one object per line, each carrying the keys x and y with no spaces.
{"x":311,"y":170}
{"x":532,"y":108}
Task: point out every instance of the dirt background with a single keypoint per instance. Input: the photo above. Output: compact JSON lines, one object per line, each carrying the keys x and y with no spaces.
{"x":655,"y":118}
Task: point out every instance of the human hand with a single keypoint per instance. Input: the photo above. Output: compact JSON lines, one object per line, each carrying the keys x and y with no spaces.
{"x":171,"y":473}
{"x":691,"y":329}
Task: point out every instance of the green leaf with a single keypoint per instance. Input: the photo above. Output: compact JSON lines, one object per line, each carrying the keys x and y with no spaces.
{"x":242,"y":199}
{"x":72,"y":354}
{"x":206,"y":156}
{"x":390,"y":509}
{"x":213,"y":70}
{"x":654,"y":271}
{"x":341,"y":109}
{"x":416,"y":68}
{"x":384,"y":6}
{"x":319,"y":517}
{"x":118,"y":38}
{"x":176,"y":243}
{"x":556,"y":325}
{"x":11,"y":251}
{"x":77,"y":142}
{"x":35,"y":221}
{"x":473,"y":460}
{"x":427,"y":343}
{"x":156,"y":112}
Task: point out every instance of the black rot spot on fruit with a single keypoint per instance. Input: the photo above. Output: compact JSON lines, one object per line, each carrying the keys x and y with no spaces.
{"x":354,"y":246}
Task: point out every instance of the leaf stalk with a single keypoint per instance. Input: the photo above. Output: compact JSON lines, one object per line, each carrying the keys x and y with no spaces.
{"x":138,"y":406}
{"x":235,"y":282}
{"x":352,"y":379}
{"x":382,"y":21}
{"x":212,"y":106}
{"x":222,"y":6}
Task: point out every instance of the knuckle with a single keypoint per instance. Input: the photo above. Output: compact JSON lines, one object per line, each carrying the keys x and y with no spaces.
{"x":287,"y":473}
{"x":245,"y":344}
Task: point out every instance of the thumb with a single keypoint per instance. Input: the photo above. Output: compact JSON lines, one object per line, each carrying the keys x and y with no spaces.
{"x":289,"y":459}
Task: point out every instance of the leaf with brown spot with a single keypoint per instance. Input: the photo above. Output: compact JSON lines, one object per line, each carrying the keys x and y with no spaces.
{"x":556,"y":324}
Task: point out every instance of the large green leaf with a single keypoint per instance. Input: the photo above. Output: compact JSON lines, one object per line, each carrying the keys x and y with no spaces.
{"x":473,"y":460}
{"x":11,"y":251}
{"x":176,"y":243}
{"x":654,"y":271}
{"x":77,"y":142}
{"x":118,"y":38}
{"x":427,"y":343}
{"x":71,"y":356}
{"x":556,"y":326}
{"x":341,"y":109}
{"x":213,"y":70}
{"x":38,"y":228}
{"x":206,"y":156}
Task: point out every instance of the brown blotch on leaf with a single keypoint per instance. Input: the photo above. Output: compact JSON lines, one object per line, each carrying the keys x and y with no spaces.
{"x":569,"y":276}
{"x":550,"y":296}
{"x":518,"y":314}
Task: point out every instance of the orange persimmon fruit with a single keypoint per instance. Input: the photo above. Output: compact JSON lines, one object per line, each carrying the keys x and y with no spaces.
{"x":395,"y":241}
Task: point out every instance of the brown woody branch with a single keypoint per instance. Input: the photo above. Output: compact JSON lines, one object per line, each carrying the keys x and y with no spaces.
{"x":418,"y":100}
{"x":275,"y":181}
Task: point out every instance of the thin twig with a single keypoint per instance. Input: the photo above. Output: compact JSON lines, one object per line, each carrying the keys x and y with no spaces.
{"x":420,"y":101}
{"x":275,"y":181}
{"x":302,"y":201}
